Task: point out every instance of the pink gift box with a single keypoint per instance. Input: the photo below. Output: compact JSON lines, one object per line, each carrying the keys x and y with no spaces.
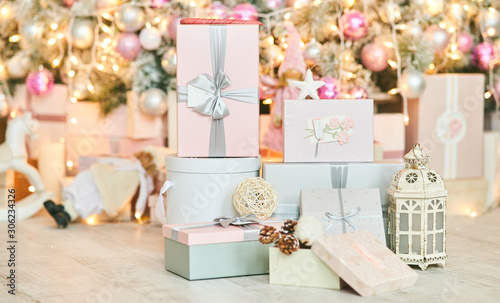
{"x":201,"y":234}
{"x":389,"y":131}
{"x":85,"y":118}
{"x":364,"y":263}
{"x":328,"y":130}
{"x":139,"y":124}
{"x":448,"y":121}
{"x":203,"y":132}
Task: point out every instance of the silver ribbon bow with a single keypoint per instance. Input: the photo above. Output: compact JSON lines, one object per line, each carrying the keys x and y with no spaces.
{"x":343,"y":218}
{"x":212,"y":104}
{"x":243,"y":220}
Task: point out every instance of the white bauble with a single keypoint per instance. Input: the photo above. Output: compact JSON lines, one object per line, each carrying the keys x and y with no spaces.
{"x":169,"y":61}
{"x":130,"y":18}
{"x":153,"y":102}
{"x":80,"y":86}
{"x":412,"y":83}
{"x":82,"y":34}
{"x":312,"y":52}
{"x":150,"y":38}
{"x":19,"y":65}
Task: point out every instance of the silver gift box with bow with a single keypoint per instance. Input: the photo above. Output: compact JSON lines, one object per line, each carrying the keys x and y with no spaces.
{"x":345,"y":210}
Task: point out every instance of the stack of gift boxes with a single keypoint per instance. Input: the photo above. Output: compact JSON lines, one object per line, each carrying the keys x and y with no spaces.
{"x":328,"y":169}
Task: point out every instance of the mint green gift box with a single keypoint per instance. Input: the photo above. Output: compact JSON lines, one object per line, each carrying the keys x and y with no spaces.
{"x":213,"y":251}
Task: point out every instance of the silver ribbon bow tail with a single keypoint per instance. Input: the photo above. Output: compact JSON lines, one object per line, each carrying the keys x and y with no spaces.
{"x":344,"y":218}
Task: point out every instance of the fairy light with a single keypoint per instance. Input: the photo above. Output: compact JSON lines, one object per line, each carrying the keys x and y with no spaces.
{"x":74,"y":60}
{"x":91,"y":220}
{"x":302,"y":44}
{"x":466,"y":7}
{"x":491,"y":10}
{"x":90,"y":87}
{"x":56,"y":62}
{"x":105,"y":28}
{"x":115,"y":68}
{"x":138,"y":216}
{"x":491,"y":32}
{"x":31,"y":189}
{"x":406,"y":120}
{"x":285,"y":45}
{"x":73,"y":100}
{"x":73,"y":120}
{"x":402,"y":27}
{"x":432,"y":66}
{"x":442,"y":24}
{"x":452,"y":29}
{"x":455,"y":56}
{"x":53,"y":26}
{"x":297,"y":4}
{"x":392,"y":63}
{"x":487,"y":95}
{"x":388,"y":44}
{"x":69,"y":164}
{"x":100,"y":67}
{"x":334,"y":28}
{"x":270,"y":39}
{"x":453,"y":47}
{"x":13,"y":114}
{"x":347,"y":96}
{"x":350,"y":75}
{"x":473,"y":214}
{"x":157,"y":19}
{"x":51,"y":41}
{"x":287,"y":16}
{"x":106,"y":16}
{"x":267,"y":101}
{"x":60,"y":36}
{"x":103,"y":58}
{"x":4,"y":10}
{"x":281,"y":58}
{"x":317,"y":2}
{"x":14,"y":38}
{"x":393,"y":91}
{"x":192,"y":4}
{"x":71,"y":73}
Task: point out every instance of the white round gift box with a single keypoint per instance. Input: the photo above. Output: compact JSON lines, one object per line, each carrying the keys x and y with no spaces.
{"x":203,"y":187}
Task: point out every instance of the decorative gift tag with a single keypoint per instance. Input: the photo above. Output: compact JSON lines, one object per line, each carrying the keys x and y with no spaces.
{"x":329,"y":129}
{"x":197,"y":96}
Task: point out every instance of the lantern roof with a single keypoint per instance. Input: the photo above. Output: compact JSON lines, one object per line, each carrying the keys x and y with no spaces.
{"x":416,"y":180}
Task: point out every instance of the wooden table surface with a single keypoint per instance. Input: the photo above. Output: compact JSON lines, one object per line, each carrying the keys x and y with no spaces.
{"x":124,"y":263}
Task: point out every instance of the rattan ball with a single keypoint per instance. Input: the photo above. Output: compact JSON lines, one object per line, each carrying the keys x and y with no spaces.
{"x":255,"y":196}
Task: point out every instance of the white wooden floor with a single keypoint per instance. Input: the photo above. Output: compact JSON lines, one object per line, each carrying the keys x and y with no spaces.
{"x":124,"y":263}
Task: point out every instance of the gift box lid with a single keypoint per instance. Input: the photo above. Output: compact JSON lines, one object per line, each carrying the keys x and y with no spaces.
{"x":210,"y":233}
{"x":364,"y":263}
{"x":211,"y":165}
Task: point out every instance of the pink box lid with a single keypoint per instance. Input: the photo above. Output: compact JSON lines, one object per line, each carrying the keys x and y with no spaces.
{"x":364,"y":263}
{"x":204,"y":233}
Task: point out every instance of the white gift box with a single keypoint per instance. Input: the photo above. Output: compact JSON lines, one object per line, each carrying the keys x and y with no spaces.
{"x":345,"y":210}
{"x":203,"y":187}
{"x":389,"y":131}
{"x":289,"y":178}
{"x":491,"y":163}
{"x":139,"y":124}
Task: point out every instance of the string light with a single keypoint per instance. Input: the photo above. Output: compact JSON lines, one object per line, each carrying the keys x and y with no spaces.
{"x":192,"y":4}
{"x":487,"y":95}
{"x":90,"y":87}
{"x":473,"y":214}
{"x":302,"y":44}
{"x":388,"y":44}
{"x":31,"y":189}
{"x":431,"y":66}
{"x":106,"y":16}
{"x":392,"y":63}
{"x":69,"y":164}
{"x":74,"y":60}
{"x":71,"y":73}
{"x":60,"y":36}
{"x":157,"y":19}
{"x":105,"y":29}
{"x":393,"y":91}
{"x":53,"y":26}
{"x":56,"y":62}
{"x":51,"y":41}
{"x":267,"y":101}
{"x":406,"y":120}
{"x":334,"y":28}
{"x":115,"y":68}
{"x":270,"y":39}
{"x":73,"y":120}
{"x":14,"y":38}
{"x":73,"y":100}
{"x":287,"y":16}
{"x":100,"y":67}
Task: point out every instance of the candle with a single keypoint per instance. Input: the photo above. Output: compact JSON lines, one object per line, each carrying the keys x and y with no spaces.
{"x":52,"y":167}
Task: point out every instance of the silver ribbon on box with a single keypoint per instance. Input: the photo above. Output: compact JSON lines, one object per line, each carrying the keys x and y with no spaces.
{"x":338,"y":175}
{"x":212,"y":94}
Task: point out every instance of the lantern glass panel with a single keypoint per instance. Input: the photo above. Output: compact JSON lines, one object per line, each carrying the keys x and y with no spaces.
{"x":403,"y":222}
{"x":430,"y":247}
{"x":439,"y":242}
{"x":403,"y":244}
{"x":430,"y":221}
{"x":415,"y":222}
{"x":439,"y":220}
{"x":416,"y":244}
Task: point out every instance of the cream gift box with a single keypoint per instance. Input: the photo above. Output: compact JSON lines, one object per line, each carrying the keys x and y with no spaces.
{"x":202,"y":188}
{"x":218,"y":95}
{"x":389,"y":131}
{"x":364,"y":263}
{"x":448,"y":121}
{"x":204,"y":250}
{"x":302,"y":268}
{"x":139,"y":124}
{"x":289,"y":178}
{"x":328,"y":131}
{"x":345,"y":210}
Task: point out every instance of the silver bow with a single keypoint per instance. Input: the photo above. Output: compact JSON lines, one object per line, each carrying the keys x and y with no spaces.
{"x":243,"y":220}
{"x":212,"y":105}
{"x":336,"y":218}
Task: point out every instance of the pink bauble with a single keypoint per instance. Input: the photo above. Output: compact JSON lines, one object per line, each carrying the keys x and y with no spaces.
{"x":158,"y":3}
{"x":172,"y":26}
{"x":374,"y":57}
{"x":274,"y":4}
{"x":464,"y":42}
{"x":357,"y":92}
{"x":244,"y":11}
{"x":218,"y":10}
{"x":128,"y":46}
{"x":355,"y":25}
{"x":482,"y":54}
{"x":69,"y":3}
{"x":40,"y":82}
{"x":330,"y":90}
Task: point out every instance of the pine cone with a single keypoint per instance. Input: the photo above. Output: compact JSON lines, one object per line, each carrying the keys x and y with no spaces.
{"x":268,"y":235}
{"x":288,"y":227}
{"x":288,"y":244}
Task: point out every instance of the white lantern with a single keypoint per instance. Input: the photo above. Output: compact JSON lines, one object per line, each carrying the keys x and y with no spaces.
{"x":417,"y":212}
